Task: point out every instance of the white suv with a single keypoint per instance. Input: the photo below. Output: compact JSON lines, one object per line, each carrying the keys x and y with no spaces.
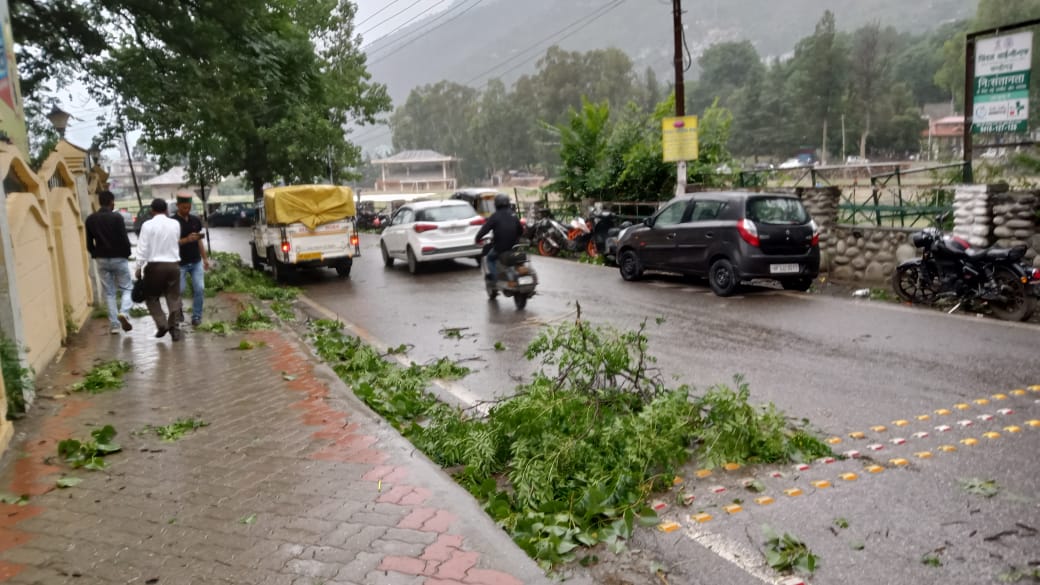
{"x":425,"y":231}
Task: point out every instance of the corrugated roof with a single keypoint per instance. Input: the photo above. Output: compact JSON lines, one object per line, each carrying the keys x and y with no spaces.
{"x":416,"y":156}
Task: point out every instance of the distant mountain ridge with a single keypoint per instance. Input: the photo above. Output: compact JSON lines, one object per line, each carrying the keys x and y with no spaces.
{"x":476,"y":40}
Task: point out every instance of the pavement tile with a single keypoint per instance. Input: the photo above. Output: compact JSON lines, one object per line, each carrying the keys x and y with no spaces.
{"x":334,"y":494}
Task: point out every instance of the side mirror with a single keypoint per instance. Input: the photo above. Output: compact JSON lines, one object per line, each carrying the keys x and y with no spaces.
{"x":649,"y":221}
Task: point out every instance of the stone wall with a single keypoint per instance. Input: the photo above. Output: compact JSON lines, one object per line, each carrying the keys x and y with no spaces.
{"x":985,"y":215}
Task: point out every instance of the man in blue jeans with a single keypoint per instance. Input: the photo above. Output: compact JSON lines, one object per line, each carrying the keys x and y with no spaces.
{"x":194,"y":261}
{"x":109,"y":246}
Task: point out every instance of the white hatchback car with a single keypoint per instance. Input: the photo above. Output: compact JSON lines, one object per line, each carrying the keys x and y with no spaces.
{"x":425,"y":231}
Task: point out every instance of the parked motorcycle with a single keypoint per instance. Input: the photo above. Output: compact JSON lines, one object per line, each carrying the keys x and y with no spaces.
{"x":553,"y":236}
{"x":515,"y":276}
{"x":951,"y":269}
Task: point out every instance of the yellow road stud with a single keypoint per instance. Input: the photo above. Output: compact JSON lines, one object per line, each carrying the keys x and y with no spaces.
{"x":821,"y":484}
{"x":857,"y":435}
{"x":731,"y":466}
{"x":879,"y":428}
{"x":668,"y":526}
{"x":849,"y":476}
{"x":900,"y":423}
{"x":701,"y":518}
{"x":733,"y":508}
{"x":947,"y":448}
{"x":764,"y":501}
{"x":677,"y":480}
{"x":833,"y":440}
{"x":875,"y":469}
{"x":923,"y":454}
{"x":991,"y":435}
{"x":962,"y":406}
{"x":1033,"y":423}
{"x":999,"y":397}
{"x":899,"y":462}
{"x":1013,"y":429}
{"x":969,"y":442}
{"x":981,"y":401}
{"x":1035,"y":388}
{"x":702,"y":473}
{"x":942,"y":412}
{"x":793,"y":492}
{"x":1018,"y":392}
{"x":924,"y":417}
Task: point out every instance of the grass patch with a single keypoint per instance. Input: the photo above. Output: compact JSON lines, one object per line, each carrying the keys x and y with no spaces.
{"x":785,"y":553}
{"x":137,"y":312}
{"x":222,"y":328}
{"x":103,"y":377}
{"x":284,"y":310}
{"x":99,"y":312}
{"x":18,"y":380}
{"x":253,"y":318}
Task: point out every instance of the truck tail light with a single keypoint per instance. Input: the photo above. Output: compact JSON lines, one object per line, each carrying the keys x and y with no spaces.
{"x":286,"y":247}
{"x":354,"y":241}
{"x":424,"y":227}
{"x":748,"y":232}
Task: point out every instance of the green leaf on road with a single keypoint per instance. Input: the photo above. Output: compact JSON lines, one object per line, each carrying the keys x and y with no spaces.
{"x":979,"y":487}
{"x":67,"y":482}
{"x":248,"y":520}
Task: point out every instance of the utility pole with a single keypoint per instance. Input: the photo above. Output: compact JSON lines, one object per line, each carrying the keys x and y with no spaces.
{"x":133,"y":175}
{"x":680,"y":91}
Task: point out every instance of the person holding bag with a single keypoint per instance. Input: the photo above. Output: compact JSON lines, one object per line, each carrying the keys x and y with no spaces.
{"x":158,"y":264}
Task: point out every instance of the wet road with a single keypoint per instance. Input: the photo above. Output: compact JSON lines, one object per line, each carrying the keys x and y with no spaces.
{"x":843,"y":364}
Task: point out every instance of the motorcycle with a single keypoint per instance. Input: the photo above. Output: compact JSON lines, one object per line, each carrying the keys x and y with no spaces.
{"x":515,"y":276}
{"x":951,"y":269}
{"x":553,"y":236}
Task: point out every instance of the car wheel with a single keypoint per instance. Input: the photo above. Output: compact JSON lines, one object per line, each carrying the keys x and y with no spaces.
{"x":799,"y":284}
{"x":723,"y":278}
{"x":257,"y":263}
{"x":343,"y":268}
{"x":413,"y":264}
{"x":388,"y":260}
{"x":630,"y":266}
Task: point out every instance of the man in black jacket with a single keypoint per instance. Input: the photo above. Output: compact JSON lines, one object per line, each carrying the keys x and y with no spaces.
{"x":109,"y":245}
{"x":506,"y":229}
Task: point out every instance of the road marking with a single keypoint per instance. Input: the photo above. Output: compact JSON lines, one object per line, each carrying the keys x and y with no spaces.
{"x":737,"y":553}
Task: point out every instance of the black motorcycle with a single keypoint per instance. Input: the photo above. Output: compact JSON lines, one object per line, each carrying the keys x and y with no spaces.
{"x":951,"y":269}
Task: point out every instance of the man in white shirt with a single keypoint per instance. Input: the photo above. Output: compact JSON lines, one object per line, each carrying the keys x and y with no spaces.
{"x":158,"y":256}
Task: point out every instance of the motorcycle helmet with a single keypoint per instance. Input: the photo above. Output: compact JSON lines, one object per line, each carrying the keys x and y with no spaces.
{"x":501,"y":201}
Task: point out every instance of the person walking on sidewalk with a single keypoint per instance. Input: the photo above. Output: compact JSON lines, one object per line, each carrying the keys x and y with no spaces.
{"x":109,"y":246}
{"x":194,"y":261}
{"x":158,"y":259}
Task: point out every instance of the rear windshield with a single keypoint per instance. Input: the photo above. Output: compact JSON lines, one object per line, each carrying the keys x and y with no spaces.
{"x":446,"y":213}
{"x":776,"y":210}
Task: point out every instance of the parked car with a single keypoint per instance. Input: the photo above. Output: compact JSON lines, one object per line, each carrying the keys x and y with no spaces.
{"x":482,"y":200}
{"x":128,"y":219}
{"x":143,"y":215}
{"x":727,"y":237}
{"x":425,"y":231}
{"x":232,"y":215}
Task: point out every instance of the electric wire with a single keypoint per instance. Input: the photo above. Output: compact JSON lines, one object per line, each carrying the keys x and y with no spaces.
{"x":376,"y":13}
{"x":419,"y":36}
{"x":389,"y":18}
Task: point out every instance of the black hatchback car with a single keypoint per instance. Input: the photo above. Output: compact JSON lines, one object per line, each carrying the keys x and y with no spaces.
{"x":728,"y":237}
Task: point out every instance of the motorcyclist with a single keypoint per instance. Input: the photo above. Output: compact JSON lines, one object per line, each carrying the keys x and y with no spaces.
{"x":506,"y":228}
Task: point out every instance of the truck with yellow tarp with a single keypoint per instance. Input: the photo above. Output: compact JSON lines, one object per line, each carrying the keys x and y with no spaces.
{"x":305,"y":226}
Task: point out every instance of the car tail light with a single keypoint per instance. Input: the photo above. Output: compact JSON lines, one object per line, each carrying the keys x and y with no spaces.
{"x":478,"y":221}
{"x":424,"y":227}
{"x":286,"y":247}
{"x":1035,"y":274}
{"x":428,"y":249}
{"x":815,"y":234}
{"x":748,"y":232}
{"x":354,"y":241}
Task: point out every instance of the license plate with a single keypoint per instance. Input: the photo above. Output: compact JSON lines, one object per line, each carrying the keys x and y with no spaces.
{"x":308,"y":256}
{"x":523,"y":280}
{"x":784,"y":268}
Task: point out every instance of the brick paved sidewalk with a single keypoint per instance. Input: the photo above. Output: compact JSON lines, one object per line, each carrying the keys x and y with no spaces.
{"x":294,"y":481}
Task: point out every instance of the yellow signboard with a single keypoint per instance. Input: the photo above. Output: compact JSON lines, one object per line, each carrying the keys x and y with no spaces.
{"x":12,"y":116}
{"x":679,"y":137}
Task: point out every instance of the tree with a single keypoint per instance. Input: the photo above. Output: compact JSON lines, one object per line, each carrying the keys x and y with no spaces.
{"x":502,"y":131}
{"x":253,"y":86}
{"x":438,"y":117}
{"x":869,"y":76}
{"x":52,"y":39}
{"x":817,"y":80}
{"x":583,"y":145}
{"x":725,"y":68}
{"x":713,"y":132}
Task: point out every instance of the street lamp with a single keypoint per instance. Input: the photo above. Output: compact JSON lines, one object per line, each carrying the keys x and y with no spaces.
{"x":59,"y":118}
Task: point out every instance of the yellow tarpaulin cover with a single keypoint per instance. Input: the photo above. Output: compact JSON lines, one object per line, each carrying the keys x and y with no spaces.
{"x":311,"y":205}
